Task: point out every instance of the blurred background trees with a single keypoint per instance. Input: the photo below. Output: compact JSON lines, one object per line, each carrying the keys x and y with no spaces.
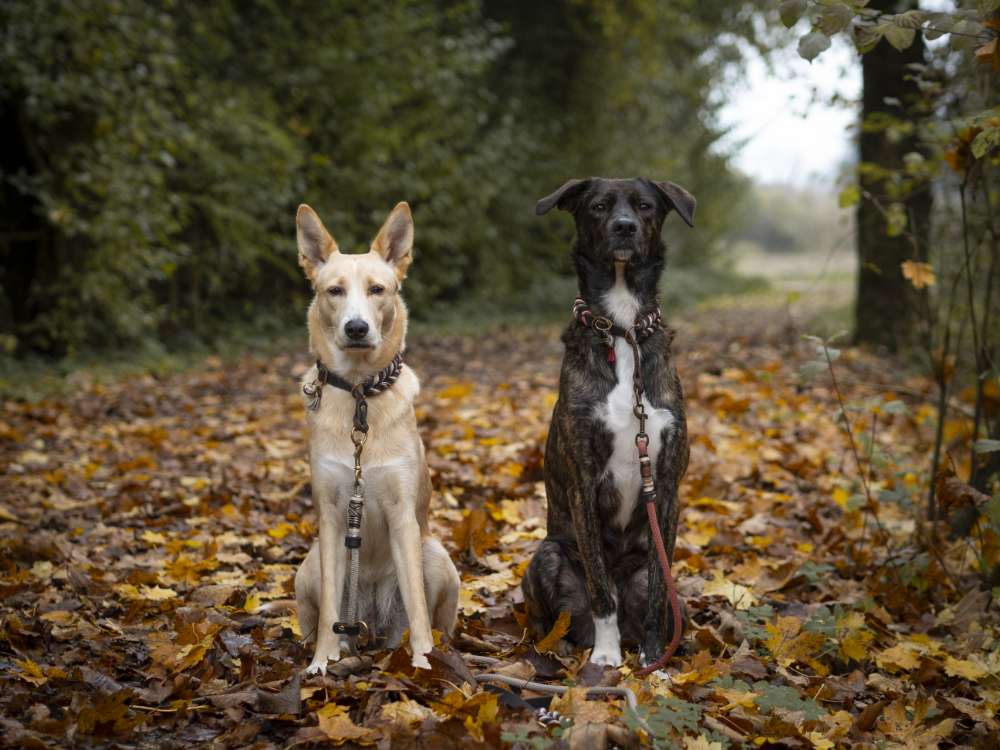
{"x":153,"y":153}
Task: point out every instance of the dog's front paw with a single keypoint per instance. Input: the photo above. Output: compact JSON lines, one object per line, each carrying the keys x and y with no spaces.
{"x":607,"y":656}
{"x":322,"y":659}
{"x":607,"y":643}
{"x":420,"y":661}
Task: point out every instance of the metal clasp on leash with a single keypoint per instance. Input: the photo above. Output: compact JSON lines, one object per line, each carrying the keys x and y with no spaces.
{"x":603,"y":327}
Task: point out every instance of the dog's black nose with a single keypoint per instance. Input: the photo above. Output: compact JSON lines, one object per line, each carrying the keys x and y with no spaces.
{"x":356,"y":329}
{"x":624,"y":227}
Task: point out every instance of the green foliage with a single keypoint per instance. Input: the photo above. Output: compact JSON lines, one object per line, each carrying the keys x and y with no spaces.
{"x":752,"y":621}
{"x":666,"y":720}
{"x":771,"y":697}
{"x":534,"y":738}
{"x":157,"y":150}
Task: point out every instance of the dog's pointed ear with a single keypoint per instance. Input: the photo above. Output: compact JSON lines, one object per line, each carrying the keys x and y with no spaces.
{"x":315,"y":243}
{"x":394,"y":241}
{"x":565,"y":197}
{"x":678,"y":199}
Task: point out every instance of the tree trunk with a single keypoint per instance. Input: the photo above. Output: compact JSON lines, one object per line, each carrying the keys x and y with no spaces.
{"x":885,"y":311}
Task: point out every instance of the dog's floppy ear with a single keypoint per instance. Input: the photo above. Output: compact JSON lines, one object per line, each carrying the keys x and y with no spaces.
{"x":565,"y":197}
{"x":315,"y":243}
{"x":394,"y":241}
{"x":679,"y":199}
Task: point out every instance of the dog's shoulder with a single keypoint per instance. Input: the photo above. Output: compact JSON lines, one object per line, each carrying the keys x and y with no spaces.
{"x":407,"y":384}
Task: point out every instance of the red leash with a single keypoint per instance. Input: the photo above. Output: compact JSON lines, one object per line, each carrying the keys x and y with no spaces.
{"x":675,"y":641}
{"x":648,"y":496}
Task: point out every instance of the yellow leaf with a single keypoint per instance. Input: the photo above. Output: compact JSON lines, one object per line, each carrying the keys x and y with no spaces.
{"x":819,"y":742}
{"x":292,"y":623}
{"x":840,"y":497}
{"x":153,"y":537}
{"x":509,"y":512}
{"x":252,"y":604}
{"x":854,"y":636}
{"x":904,"y":721}
{"x":902,"y":656}
{"x":338,"y":727}
{"x":739,"y":596}
{"x":964,"y":668}
{"x":699,"y":533}
{"x":736,"y":698}
{"x":702,"y":669}
{"x":281,"y":530}
{"x":920,"y":274}
{"x":128,"y":590}
{"x":31,"y":672}
{"x":559,"y":629}
{"x":701,"y":743}
{"x":456,"y":391}
{"x":157,"y":593}
{"x":404,"y":712}
{"x":467,"y":601}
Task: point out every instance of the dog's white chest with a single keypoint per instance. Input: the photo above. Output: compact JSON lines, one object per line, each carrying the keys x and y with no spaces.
{"x":618,"y":417}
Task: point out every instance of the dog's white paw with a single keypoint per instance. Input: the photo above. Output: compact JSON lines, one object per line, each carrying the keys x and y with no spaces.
{"x":606,"y":657}
{"x":321,"y":660}
{"x":420,"y":661}
{"x":607,"y":642}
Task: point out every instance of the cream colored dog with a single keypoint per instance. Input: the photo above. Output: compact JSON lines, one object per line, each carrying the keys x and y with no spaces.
{"x":357,"y":324}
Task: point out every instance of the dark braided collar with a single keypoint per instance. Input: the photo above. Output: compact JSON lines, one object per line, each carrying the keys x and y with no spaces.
{"x":645,"y":325}
{"x":370,"y":386}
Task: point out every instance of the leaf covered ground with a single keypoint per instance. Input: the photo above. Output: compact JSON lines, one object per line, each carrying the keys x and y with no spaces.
{"x":150,"y":530}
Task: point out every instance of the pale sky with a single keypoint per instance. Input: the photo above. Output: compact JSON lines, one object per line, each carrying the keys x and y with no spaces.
{"x":790,"y":137}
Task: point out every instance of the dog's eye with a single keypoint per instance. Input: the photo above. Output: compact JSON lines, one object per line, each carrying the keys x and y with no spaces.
{"x":598,"y":207}
{"x":643,"y":206}
{"x":376,"y":289}
{"x":335,"y":291}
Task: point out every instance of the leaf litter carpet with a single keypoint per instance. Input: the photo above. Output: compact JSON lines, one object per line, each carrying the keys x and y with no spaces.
{"x":150,"y":530}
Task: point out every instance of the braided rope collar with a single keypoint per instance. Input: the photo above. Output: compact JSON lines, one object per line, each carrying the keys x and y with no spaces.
{"x":373,"y":385}
{"x":645,"y":325}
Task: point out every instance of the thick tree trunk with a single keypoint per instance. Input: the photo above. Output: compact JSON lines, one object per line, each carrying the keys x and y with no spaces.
{"x":885,"y":310}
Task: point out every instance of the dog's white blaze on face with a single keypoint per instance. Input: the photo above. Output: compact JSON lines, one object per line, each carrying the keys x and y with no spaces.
{"x":362,"y":288}
{"x":607,"y":642}
{"x":356,"y":288}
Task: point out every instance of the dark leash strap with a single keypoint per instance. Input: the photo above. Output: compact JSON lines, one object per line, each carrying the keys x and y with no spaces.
{"x":645,"y":325}
{"x":354,"y":628}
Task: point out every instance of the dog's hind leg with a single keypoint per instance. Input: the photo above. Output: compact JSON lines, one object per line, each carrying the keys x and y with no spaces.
{"x":307,"y":594}
{"x":554,"y":583}
{"x":441,"y":584}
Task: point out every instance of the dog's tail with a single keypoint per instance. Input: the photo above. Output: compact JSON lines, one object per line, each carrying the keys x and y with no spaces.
{"x":278,"y":606}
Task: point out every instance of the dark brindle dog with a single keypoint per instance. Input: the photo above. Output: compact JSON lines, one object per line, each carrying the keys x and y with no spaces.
{"x":597,"y":561}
